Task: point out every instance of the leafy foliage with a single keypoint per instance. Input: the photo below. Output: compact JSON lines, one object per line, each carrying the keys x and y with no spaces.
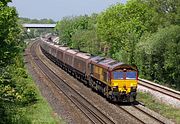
{"x":69,"y":25}
{"x":9,"y":32}
{"x":168,"y":11}
{"x":14,"y":90}
{"x":158,"y":56}
{"x":141,"y":32}
{"x":121,"y":26}
{"x":80,"y":33}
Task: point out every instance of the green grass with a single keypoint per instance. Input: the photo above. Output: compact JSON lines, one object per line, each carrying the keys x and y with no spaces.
{"x":163,"y":109}
{"x":41,"y":112}
{"x":36,"y":112}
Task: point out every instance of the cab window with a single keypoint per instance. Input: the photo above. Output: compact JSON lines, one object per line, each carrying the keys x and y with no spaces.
{"x":118,"y":75}
{"x":131,"y":75}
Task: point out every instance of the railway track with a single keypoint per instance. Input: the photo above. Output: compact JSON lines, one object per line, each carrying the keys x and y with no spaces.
{"x":161,"y":89}
{"x":89,"y":110}
{"x":143,"y":116}
{"x":132,"y":115}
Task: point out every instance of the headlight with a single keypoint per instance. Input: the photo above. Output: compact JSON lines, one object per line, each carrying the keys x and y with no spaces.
{"x":133,"y":89}
{"x":115,"y":88}
{"x":133,"y":85}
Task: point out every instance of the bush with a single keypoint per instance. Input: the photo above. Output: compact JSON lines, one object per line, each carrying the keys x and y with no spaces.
{"x":29,"y":95}
{"x":158,"y":56}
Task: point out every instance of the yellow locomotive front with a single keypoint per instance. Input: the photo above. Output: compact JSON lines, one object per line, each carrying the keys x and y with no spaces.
{"x":124,"y":84}
{"x":116,"y":80}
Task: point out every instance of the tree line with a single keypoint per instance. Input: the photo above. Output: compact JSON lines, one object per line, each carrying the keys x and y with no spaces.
{"x":141,"y":32}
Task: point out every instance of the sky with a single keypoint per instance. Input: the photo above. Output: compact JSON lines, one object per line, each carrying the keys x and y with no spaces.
{"x":57,"y":9}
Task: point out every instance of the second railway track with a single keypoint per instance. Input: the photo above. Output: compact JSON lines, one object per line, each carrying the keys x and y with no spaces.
{"x":164,"y":90}
{"x":143,"y":116}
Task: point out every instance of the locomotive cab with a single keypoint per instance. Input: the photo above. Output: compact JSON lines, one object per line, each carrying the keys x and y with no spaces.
{"x":124,"y":84}
{"x":116,"y":80}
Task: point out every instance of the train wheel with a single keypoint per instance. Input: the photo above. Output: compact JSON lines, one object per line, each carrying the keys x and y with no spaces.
{"x":105,"y":91}
{"x":109,"y":96}
{"x":96,"y":87}
{"x":91,"y":82}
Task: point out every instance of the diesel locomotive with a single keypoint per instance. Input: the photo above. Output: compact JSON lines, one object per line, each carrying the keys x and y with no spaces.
{"x":117,"y":81}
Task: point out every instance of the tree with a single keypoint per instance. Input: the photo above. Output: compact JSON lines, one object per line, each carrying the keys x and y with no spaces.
{"x":168,"y":11}
{"x":158,"y":56}
{"x":121,"y":27}
{"x":9,"y":34}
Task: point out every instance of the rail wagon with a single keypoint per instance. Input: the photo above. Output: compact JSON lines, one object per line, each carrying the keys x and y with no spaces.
{"x":52,"y":51}
{"x":81,"y":62}
{"x":45,"y":46}
{"x":69,"y":60}
{"x":60,"y":56}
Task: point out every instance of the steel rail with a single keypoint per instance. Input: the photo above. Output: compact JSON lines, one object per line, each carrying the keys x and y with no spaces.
{"x":164,"y":90}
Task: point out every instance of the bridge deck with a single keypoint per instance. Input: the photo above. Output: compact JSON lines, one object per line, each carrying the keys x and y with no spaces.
{"x":39,"y":25}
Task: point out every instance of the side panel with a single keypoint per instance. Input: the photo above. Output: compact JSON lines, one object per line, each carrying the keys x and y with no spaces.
{"x":68,"y":59}
{"x":80,"y":65}
{"x":88,"y":70}
{"x":45,"y":46}
{"x":53,"y":51}
{"x":60,"y":55}
{"x":100,"y":74}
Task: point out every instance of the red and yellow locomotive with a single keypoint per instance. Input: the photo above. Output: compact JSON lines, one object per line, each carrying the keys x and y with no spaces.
{"x":116,"y":80}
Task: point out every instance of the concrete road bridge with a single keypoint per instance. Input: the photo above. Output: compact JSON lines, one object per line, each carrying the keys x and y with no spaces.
{"x":39,"y":25}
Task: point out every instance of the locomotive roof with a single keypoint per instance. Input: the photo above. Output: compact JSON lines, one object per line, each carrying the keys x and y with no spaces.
{"x":107,"y":63}
{"x":51,"y":44}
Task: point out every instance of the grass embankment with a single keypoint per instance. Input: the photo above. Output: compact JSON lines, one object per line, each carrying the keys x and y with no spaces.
{"x":40,"y":111}
{"x":37,"y":111}
{"x":155,"y":105}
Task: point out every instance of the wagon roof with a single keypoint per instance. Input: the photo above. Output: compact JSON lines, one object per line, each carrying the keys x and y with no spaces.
{"x":83,"y":55}
{"x":72,"y":51}
{"x":63,"y":48}
{"x":49,"y":43}
{"x":56,"y":46}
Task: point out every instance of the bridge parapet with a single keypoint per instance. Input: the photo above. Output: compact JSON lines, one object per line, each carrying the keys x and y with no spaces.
{"x":39,"y":25}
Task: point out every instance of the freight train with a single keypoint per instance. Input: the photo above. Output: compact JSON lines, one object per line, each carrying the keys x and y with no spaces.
{"x":115,"y":80}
